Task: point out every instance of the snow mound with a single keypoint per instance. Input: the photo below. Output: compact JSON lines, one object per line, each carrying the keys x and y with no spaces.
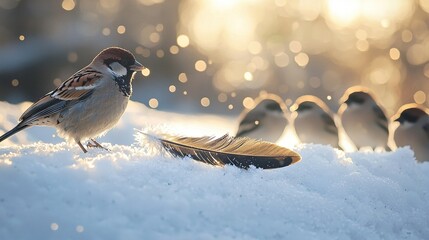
{"x":52,"y":190}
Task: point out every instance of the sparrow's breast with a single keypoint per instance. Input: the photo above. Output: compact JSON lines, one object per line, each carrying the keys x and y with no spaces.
{"x":96,"y":114}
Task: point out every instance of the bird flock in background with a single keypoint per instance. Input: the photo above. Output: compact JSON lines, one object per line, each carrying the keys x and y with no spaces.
{"x":360,"y":118}
{"x":92,"y":101}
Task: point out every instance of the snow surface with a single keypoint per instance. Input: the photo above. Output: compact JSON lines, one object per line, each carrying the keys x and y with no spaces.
{"x":51,"y":190}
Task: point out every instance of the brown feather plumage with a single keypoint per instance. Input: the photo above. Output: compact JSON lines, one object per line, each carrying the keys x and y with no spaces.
{"x":240,"y":152}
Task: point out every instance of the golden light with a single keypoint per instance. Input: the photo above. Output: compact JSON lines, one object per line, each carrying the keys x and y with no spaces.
{"x":362,"y":45}
{"x":248,"y":102}
{"x":280,"y":3}
{"x":182,"y":77}
{"x":121,"y":29}
{"x":146,"y":72}
{"x":343,"y":13}
{"x":174,"y":49}
{"x":154,"y":37}
{"x":200,"y":65}
{"x":150,"y":2}
{"x":302,"y":59}
{"x":183,"y":41}
{"x":426,"y":70}
{"x":172,"y":88}
{"x":248,"y":76}
{"x":295,"y":46}
{"x":233,"y":30}
{"x":153,"y":103}
{"x":417,"y":54}
{"x":394,"y":54}
{"x":15,"y":82}
{"x":222,"y":4}
{"x":419,"y":97}
{"x":205,"y":102}
{"x":407,"y":36}
{"x":424,"y":4}
{"x":68,"y":5}
{"x":21,"y":37}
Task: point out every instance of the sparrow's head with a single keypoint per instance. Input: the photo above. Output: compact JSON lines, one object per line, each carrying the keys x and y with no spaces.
{"x":309,"y":103}
{"x":119,"y":61}
{"x":358,"y":98}
{"x":411,"y":115}
{"x":306,"y":106}
{"x":269,"y":106}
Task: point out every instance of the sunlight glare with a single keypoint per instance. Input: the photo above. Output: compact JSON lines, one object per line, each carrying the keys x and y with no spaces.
{"x":343,"y":13}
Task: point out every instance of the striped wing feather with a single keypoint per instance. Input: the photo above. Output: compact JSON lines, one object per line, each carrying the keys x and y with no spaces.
{"x":76,"y":88}
{"x":241,"y":152}
{"x":78,"y":85}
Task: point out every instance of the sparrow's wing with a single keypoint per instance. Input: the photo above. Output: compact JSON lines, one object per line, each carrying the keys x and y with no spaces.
{"x":44,"y":107}
{"x":78,"y":85}
{"x":329,"y":124}
{"x":76,"y":88}
{"x":249,"y":123}
{"x":382,"y":121}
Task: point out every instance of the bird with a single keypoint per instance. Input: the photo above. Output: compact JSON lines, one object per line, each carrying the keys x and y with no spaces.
{"x":266,"y":121}
{"x":413,"y":130}
{"x":87,"y":104}
{"x":363,"y":119}
{"x":314,"y":122}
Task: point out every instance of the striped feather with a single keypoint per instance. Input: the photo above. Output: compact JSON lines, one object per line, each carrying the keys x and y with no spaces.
{"x":78,"y":85}
{"x":240,"y":152}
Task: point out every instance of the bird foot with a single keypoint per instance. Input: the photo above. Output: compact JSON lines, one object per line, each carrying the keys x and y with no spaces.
{"x":95,"y":144}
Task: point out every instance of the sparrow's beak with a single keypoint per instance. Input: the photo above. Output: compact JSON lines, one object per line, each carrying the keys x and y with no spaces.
{"x":137,"y":66}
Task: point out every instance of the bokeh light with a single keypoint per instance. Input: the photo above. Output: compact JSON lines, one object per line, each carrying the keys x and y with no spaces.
{"x":214,"y":48}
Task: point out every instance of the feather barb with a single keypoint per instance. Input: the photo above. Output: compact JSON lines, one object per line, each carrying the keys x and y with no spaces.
{"x":240,"y":152}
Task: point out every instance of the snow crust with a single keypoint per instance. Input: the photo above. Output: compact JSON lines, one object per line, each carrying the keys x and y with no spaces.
{"x":51,"y":190}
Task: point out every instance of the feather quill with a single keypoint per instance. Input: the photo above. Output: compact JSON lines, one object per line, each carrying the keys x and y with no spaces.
{"x":241,"y":152}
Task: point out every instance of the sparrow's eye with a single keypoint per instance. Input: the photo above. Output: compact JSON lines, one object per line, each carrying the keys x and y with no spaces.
{"x":118,"y":69}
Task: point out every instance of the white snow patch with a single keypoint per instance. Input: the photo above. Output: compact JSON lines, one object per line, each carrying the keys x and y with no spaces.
{"x":52,"y":190}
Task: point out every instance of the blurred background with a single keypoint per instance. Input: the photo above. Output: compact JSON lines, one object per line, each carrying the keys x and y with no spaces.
{"x":217,"y":56}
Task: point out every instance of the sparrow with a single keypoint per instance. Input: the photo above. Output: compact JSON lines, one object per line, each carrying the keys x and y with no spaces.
{"x":363,"y":119}
{"x":266,"y":121}
{"x":413,"y":130}
{"x":89,"y":103}
{"x":314,"y":121}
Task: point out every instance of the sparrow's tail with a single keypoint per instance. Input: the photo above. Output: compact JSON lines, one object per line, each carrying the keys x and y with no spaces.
{"x":14,"y":130}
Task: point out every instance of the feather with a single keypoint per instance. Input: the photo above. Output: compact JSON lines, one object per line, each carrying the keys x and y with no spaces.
{"x":240,"y":152}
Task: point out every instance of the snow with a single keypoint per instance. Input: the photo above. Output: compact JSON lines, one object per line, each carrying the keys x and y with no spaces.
{"x":51,"y":190}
